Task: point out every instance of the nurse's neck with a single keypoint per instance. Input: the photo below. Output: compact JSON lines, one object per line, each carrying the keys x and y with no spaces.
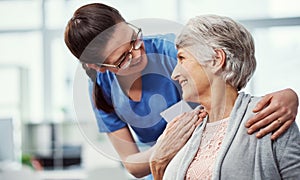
{"x":131,"y":85}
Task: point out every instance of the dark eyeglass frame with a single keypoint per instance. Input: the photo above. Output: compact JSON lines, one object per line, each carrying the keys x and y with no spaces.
{"x":135,"y":45}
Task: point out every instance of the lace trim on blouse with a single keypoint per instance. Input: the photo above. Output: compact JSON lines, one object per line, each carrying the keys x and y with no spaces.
{"x":203,"y":163}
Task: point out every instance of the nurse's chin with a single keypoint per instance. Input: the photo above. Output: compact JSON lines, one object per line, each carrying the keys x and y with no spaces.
{"x":139,"y":64}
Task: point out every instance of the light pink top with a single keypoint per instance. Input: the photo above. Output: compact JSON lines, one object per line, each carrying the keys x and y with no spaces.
{"x":203,"y":163}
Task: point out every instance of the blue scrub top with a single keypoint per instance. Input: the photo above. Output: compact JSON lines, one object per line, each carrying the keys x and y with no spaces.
{"x":159,"y":92}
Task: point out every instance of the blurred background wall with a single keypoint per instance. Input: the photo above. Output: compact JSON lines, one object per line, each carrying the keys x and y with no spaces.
{"x":37,"y":71}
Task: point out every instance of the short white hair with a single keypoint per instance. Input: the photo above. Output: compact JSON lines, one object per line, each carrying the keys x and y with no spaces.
{"x":203,"y":34}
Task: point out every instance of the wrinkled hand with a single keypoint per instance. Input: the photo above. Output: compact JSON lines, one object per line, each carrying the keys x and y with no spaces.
{"x":176,"y":134}
{"x":276,"y":112}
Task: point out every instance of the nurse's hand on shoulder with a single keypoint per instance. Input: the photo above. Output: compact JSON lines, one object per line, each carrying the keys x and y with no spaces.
{"x":275,"y":113}
{"x":176,"y":134}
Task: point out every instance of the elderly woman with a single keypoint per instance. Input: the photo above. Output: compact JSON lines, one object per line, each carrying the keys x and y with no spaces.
{"x":215,"y":61}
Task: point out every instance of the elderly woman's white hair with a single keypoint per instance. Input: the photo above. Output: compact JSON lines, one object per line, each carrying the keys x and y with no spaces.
{"x":203,"y":34}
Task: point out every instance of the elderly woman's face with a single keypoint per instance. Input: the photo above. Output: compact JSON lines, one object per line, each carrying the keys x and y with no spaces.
{"x":191,"y":76}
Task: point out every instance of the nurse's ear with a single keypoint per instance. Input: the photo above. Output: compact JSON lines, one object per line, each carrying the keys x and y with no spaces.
{"x":219,"y":61}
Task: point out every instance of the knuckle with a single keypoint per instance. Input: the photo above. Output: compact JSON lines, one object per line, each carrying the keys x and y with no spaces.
{"x":254,"y":127}
{"x":268,"y":120}
{"x":263,"y":131}
{"x":260,"y":115}
{"x":277,"y":104}
{"x":288,"y":111}
{"x":284,"y":110}
{"x":278,"y":132}
{"x":260,"y":103}
{"x":256,"y":118}
{"x":171,"y":123}
{"x":288,"y":123}
{"x":174,"y":120}
{"x":250,"y":121}
{"x":187,"y":135}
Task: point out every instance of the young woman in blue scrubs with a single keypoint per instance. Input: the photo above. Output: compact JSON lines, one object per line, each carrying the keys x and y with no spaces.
{"x":130,"y":85}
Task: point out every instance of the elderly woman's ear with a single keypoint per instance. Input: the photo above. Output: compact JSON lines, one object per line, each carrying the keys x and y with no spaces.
{"x":219,"y":61}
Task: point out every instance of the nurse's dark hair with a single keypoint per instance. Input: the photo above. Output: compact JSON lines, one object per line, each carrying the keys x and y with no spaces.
{"x":87,"y":23}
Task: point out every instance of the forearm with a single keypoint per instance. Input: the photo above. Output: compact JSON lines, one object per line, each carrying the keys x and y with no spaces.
{"x":138,"y":164}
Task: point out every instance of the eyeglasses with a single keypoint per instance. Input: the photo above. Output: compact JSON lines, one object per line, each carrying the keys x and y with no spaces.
{"x":126,"y":58}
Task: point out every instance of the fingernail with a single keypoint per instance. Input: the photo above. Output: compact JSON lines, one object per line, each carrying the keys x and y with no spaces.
{"x":272,"y":138}
{"x":197,"y":108}
{"x":258,"y":135}
{"x":247,"y":124}
{"x":250,"y":131}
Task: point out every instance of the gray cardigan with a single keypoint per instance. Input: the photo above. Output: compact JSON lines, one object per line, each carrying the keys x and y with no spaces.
{"x":243,"y":156}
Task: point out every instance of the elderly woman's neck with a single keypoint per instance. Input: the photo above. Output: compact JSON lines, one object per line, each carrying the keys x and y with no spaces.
{"x":220,"y":102}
